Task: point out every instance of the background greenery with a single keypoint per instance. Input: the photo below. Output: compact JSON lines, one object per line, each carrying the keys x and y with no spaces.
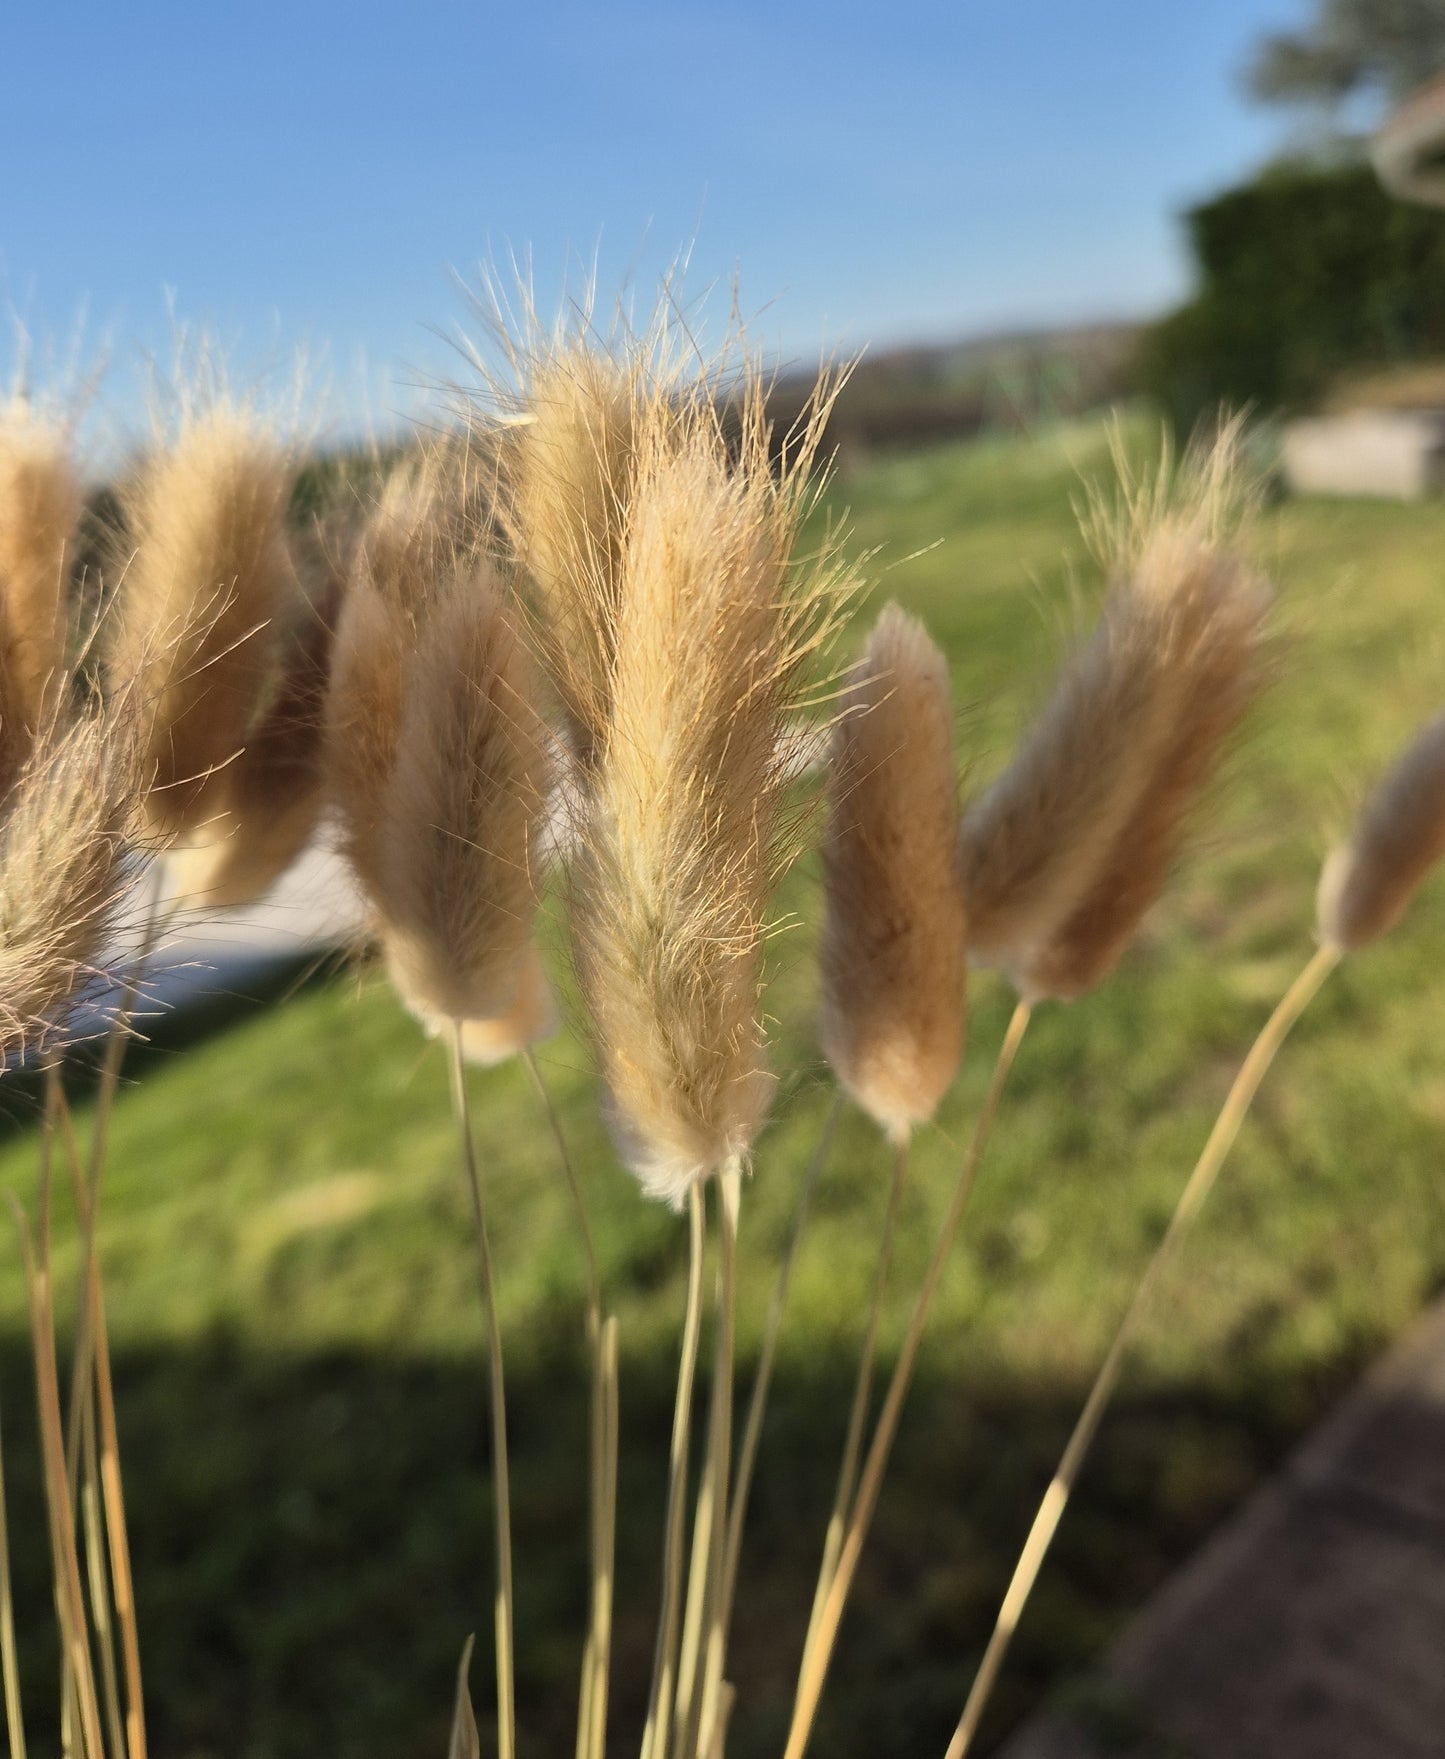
{"x":292,"y":1291}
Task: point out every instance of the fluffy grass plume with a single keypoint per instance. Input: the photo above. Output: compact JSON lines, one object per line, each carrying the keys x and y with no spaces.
{"x":893,"y":937}
{"x":405,"y":548}
{"x":530,"y":1017}
{"x":39,"y":511}
{"x":1128,"y":724}
{"x":567,"y":471}
{"x":1368,"y":882}
{"x":267,"y":801}
{"x":456,"y":881}
{"x":208,"y":571}
{"x":64,"y":870}
{"x":715,"y":625}
{"x":1178,"y":551}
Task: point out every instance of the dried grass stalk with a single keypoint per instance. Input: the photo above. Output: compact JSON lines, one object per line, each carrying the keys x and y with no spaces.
{"x":893,"y":937}
{"x":64,"y":871}
{"x":679,"y":849}
{"x":1063,"y":853}
{"x":39,"y":512}
{"x":208,"y":572}
{"x":456,"y":883}
{"x":1367,"y":883}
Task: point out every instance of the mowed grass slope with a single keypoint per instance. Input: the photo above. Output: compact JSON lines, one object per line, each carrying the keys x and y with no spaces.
{"x":292,"y":1284}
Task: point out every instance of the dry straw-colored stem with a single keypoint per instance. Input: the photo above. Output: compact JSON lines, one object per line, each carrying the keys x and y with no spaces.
{"x":501,"y":1483}
{"x":9,"y":1661}
{"x":815,"y":1666}
{"x":767,"y":1356}
{"x":659,"y":1711}
{"x":602,"y":1349}
{"x":858,"y":1415}
{"x":1191,"y":1200}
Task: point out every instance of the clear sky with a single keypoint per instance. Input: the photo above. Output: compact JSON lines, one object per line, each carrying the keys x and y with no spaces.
{"x":313,"y":174}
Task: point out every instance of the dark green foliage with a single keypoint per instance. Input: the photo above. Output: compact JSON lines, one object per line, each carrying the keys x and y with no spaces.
{"x":1351,"y":48}
{"x":1305,"y":271}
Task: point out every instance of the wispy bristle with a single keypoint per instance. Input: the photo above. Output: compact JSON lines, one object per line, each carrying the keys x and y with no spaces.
{"x":208,"y":572}
{"x":678,"y":850}
{"x":39,"y":511}
{"x":1067,"y":849}
{"x":894,"y":933}
{"x":455,"y":885}
{"x":568,"y":469}
{"x":1368,"y":883}
{"x":64,"y":871}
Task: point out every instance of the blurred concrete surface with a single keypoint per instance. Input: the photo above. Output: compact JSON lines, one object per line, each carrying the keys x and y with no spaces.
{"x":1312,"y":1626}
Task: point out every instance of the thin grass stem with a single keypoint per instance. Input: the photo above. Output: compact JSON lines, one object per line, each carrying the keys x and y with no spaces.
{"x":602,"y":1586}
{"x":596,"y":1654}
{"x":9,"y":1660}
{"x":1191,"y":1200}
{"x":99,"y":1584}
{"x":659,"y":1710}
{"x":716,"y":1622}
{"x":814,"y":1669}
{"x":502,"y":1497}
{"x":767,"y":1356}
{"x":862,"y":1393}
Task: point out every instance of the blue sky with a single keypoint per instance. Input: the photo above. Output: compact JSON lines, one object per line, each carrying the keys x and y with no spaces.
{"x":316,"y":175}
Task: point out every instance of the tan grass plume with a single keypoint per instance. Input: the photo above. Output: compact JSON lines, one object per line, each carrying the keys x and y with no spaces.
{"x":893,"y":946}
{"x":530,"y":1017}
{"x":715,"y":625}
{"x":456,"y":879}
{"x":1368,"y":882}
{"x":208,"y":572}
{"x":567,"y":473}
{"x":406,"y":547}
{"x":1061,"y":856}
{"x":266,"y":802}
{"x":40,"y":504}
{"x":64,"y":865}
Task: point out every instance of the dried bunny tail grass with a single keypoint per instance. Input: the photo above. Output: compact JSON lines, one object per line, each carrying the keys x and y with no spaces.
{"x":1367,"y":883}
{"x":893,"y":945}
{"x":40,"y":505}
{"x":269,"y":799}
{"x":456,"y":883}
{"x":530,"y":1017}
{"x":208,"y":572}
{"x":406,"y":545}
{"x":64,"y":868}
{"x":1033,"y":848}
{"x":567,"y":470}
{"x":679,"y":851}
{"x":1212,"y":664}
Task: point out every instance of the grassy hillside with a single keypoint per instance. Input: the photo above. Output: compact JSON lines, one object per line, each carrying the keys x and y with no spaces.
{"x":292,"y":1286}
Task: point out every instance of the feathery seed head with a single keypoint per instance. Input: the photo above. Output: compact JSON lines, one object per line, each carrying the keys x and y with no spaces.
{"x":208,"y":573}
{"x":715,"y":626}
{"x":1368,"y":883}
{"x":1062,"y":856}
{"x":64,"y":869}
{"x":39,"y":511}
{"x":894,"y":933}
{"x":455,"y":883}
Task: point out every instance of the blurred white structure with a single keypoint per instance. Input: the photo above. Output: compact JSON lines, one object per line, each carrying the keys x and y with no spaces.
{"x":1398,"y":454}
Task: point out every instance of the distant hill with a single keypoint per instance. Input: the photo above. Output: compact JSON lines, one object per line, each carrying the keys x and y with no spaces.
{"x":1003,"y":382}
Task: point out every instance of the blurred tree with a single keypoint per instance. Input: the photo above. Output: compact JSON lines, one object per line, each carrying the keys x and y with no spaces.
{"x":1370,"y":50}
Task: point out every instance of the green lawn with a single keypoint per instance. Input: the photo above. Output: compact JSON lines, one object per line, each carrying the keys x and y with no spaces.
{"x":292,"y":1287}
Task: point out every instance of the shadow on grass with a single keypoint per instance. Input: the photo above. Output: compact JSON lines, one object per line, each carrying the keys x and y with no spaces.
{"x":311,"y":1544}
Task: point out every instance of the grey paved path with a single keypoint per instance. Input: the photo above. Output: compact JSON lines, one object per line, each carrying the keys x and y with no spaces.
{"x":1313,"y":1625}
